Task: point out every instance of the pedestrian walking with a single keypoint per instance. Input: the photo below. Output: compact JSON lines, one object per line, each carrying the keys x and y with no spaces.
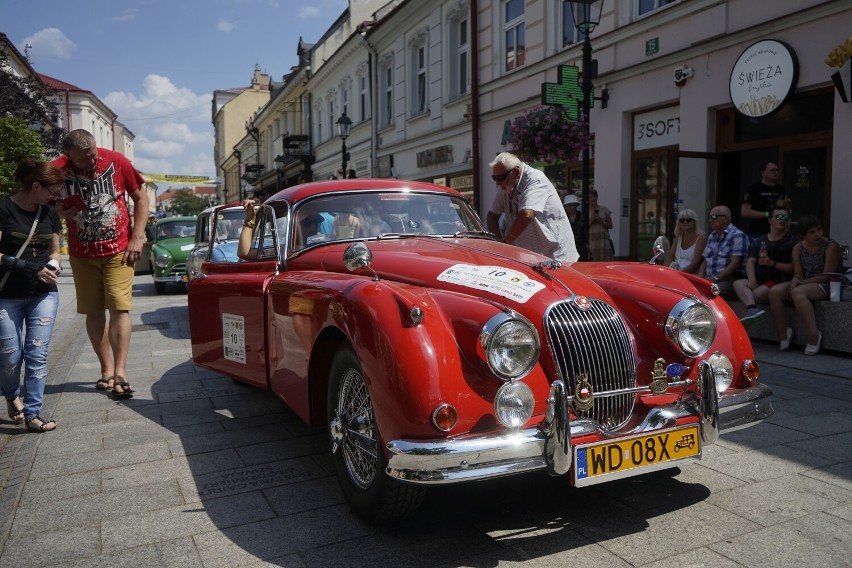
{"x":29,"y":299}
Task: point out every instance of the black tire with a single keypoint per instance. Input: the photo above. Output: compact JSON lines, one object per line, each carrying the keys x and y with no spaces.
{"x":357,"y":450}
{"x":160,"y":287}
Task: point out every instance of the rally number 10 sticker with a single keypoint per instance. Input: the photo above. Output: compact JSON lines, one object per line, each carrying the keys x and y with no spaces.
{"x":495,"y":279}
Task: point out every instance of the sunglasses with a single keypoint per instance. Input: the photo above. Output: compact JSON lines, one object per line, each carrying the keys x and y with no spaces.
{"x":782,"y":217}
{"x":685,"y":220}
{"x":714,"y":217}
{"x":501,"y":177}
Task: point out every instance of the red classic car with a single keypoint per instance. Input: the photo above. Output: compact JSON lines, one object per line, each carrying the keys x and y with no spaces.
{"x":433,"y":353}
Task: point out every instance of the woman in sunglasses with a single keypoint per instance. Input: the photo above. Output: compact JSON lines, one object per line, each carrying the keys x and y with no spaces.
{"x":813,"y":259}
{"x":690,"y":240}
{"x":29,"y":267}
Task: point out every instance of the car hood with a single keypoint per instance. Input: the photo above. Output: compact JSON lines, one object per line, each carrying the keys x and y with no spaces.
{"x":177,"y":246}
{"x":481,"y":267}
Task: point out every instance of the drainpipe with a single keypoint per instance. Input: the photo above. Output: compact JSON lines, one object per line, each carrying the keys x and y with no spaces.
{"x":474,"y":96}
{"x":112,"y":128}
{"x":239,"y":156}
{"x":371,"y":58}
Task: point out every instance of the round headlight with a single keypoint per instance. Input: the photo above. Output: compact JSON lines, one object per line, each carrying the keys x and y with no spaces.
{"x":691,"y":326}
{"x":723,"y":370}
{"x":513,"y":405}
{"x":510,"y":346}
{"x":163,"y":259}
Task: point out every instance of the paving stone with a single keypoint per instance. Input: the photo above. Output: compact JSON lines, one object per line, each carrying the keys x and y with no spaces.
{"x":762,"y":435}
{"x":88,"y":510}
{"x":815,"y":540}
{"x":767,"y":463}
{"x":45,"y":548}
{"x":281,"y":536}
{"x":175,"y":468}
{"x":838,"y":474}
{"x":49,"y":466}
{"x":779,"y":500}
{"x":60,"y":487}
{"x":305,"y":496}
{"x":835,"y":448}
{"x":247,"y":479}
{"x":227,"y":439}
{"x":194,"y":519}
{"x":696,"y":558}
{"x":289,"y":448}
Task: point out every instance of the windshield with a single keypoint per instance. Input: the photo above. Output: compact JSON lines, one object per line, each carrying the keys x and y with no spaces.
{"x":373,"y":214}
{"x":175,"y":229}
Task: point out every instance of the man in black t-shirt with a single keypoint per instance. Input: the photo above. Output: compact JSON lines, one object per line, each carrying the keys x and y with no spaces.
{"x":759,"y":199}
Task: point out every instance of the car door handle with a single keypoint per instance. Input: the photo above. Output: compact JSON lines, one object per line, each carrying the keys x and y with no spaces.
{"x":196,"y":274}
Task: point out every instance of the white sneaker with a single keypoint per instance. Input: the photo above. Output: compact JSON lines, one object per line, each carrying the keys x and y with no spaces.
{"x":813,"y":349}
{"x":785,"y":344}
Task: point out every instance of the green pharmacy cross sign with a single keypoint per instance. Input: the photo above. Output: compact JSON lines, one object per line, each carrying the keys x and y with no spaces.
{"x":567,"y":93}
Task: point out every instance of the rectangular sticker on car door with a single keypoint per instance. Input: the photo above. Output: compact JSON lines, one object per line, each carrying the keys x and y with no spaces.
{"x":234,"y":337}
{"x":495,"y":279}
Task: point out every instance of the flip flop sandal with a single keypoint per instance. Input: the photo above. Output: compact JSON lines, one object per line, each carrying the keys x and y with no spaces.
{"x":126,"y":390}
{"x":43,"y":425}
{"x":104,"y":383}
{"x":16,"y":414}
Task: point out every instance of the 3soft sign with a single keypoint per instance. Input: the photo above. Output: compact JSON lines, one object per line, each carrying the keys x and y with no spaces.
{"x":763,"y":77}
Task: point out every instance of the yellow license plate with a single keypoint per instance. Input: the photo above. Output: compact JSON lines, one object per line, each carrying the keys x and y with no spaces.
{"x":604,"y":458}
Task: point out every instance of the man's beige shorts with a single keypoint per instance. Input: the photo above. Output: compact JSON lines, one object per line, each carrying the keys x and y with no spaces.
{"x":102,"y":283}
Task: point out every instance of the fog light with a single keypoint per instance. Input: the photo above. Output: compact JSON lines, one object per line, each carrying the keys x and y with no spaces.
{"x":723,"y":371}
{"x":513,"y":404}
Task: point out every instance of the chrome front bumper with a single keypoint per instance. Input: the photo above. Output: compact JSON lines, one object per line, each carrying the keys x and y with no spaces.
{"x":548,"y":446}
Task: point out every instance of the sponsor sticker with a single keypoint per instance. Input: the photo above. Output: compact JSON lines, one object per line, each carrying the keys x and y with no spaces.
{"x":234,"y":338}
{"x":494,"y":279}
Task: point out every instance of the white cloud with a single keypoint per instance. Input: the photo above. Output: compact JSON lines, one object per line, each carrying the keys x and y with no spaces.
{"x":50,"y":43}
{"x":127,"y":16}
{"x":306,"y":12}
{"x":225,"y":26}
{"x":171,"y":125}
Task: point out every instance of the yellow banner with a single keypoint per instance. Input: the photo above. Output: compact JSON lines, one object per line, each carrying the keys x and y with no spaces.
{"x":169,"y":178}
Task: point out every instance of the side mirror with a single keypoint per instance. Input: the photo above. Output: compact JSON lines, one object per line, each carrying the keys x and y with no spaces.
{"x":359,"y":255}
{"x":660,"y":249}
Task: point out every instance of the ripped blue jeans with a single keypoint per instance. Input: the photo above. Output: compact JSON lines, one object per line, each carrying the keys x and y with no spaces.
{"x":17,"y":347}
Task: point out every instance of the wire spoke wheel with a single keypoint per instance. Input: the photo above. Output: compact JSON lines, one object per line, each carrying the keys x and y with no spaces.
{"x":360,"y":443}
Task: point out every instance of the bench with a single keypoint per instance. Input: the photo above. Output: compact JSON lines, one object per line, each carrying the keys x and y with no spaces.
{"x":834,"y":320}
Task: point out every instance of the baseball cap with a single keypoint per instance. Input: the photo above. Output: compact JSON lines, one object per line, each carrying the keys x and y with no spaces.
{"x":570,"y":199}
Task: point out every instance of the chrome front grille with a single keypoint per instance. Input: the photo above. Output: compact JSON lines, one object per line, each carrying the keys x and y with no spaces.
{"x":594,"y":342}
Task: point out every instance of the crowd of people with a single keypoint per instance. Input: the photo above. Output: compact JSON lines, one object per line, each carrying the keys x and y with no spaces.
{"x":763,"y":264}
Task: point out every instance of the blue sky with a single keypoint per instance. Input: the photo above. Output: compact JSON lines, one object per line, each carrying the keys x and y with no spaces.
{"x":156,"y":63}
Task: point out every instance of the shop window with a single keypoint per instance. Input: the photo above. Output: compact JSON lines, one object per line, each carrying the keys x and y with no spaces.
{"x":801,"y":115}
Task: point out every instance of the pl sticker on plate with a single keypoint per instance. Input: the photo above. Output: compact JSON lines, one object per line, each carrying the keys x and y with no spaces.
{"x":234,"y":337}
{"x":494,"y":279}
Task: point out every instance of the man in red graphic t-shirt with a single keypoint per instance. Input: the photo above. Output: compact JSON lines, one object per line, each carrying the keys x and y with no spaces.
{"x":103,"y":245}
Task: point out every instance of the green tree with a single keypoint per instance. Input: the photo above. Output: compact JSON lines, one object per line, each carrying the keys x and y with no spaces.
{"x":28,"y":98}
{"x":185,"y":202}
{"x":16,"y":143}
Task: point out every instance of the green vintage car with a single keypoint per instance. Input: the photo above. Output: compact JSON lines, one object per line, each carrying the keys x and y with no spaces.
{"x":174,"y":237}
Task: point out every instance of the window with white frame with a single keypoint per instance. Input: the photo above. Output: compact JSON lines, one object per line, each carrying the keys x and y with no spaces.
{"x":570,"y":35}
{"x":363,"y":87}
{"x":514,"y":40}
{"x":331,"y":125}
{"x":386,"y":86}
{"x":419,"y":82}
{"x":318,"y":113}
{"x":646,"y":6}
{"x":459,"y":42}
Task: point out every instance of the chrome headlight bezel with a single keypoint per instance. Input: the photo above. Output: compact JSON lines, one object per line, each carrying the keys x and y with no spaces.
{"x":691,"y":327}
{"x":509,"y":345}
{"x":162,"y":259}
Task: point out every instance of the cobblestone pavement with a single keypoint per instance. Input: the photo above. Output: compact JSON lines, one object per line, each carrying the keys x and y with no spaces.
{"x":198,"y":470}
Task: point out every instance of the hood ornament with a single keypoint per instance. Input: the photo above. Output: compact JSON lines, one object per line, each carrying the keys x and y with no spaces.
{"x":659,"y":380}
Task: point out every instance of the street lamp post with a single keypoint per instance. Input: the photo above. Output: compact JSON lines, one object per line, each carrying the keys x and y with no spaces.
{"x":587,"y":15}
{"x":344,"y":127}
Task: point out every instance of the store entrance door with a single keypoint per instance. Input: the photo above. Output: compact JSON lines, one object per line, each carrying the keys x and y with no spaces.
{"x":804,"y":177}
